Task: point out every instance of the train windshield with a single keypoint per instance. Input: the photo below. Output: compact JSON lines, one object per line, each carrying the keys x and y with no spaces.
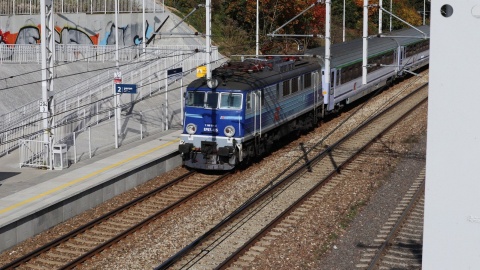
{"x":196,"y":99}
{"x":230,"y":101}
{"x":211,"y":100}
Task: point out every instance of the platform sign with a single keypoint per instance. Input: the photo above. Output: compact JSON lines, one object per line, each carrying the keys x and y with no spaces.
{"x":174,"y":74}
{"x":201,"y":71}
{"x":117,"y":77}
{"x":43,"y":106}
{"x":126,"y":88}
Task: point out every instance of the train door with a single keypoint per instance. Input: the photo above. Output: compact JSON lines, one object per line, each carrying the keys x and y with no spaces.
{"x":325,"y":92}
{"x":317,"y":94}
{"x":257,"y":110}
{"x":328,"y":94}
{"x":257,"y":121}
{"x":333,"y":79}
{"x":401,"y":57}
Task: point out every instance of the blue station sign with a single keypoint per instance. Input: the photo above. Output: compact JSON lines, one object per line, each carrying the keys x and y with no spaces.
{"x":174,"y":71}
{"x":125,"y":88}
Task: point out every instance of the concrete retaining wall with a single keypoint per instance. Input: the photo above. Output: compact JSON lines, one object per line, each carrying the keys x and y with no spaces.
{"x":81,"y":28}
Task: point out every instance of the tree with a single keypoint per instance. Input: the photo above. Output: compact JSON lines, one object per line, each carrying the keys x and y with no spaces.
{"x":234,"y":21}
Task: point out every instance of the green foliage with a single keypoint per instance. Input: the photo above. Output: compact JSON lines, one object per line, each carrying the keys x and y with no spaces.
{"x":353,"y":13}
{"x":234,"y":21}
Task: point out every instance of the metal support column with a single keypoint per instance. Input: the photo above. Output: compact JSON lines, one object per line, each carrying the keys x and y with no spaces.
{"x":48,"y":57}
{"x":326,"y":92}
{"x":365,"y":41}
{"x":380,"y":17}
{"x":208,"y":36}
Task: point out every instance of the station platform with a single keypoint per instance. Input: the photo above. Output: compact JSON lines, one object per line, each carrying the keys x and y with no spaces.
{"x":33,"y":200}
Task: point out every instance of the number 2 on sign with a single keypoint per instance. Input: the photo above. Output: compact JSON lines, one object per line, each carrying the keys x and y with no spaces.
{"x":43,"y":106}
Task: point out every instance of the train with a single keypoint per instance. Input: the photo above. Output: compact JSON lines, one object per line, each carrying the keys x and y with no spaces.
{"x":249,"y":106}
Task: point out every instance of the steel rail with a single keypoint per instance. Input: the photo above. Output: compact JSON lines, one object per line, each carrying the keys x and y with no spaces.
{"x":398,"y":225}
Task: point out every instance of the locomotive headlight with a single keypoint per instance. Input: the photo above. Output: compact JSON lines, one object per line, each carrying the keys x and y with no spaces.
{"x":191,"y":128}
{"x":229,"y":131}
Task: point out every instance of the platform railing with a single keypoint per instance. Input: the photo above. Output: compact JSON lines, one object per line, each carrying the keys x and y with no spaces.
{"x":158,"y":59}
{"x":79,"y":107}
{"x":34,"y":153}
{"x":94,"y":140}
{"x":30,"y":7}
{"x":31,"y":53}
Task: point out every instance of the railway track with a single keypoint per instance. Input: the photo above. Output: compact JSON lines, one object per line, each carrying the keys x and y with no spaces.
{"x":245,"y":232}
{"x":72,"y":249}
{"x":399,"y":243}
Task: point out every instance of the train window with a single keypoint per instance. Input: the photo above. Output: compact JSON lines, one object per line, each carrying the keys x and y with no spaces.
{"x":195,"y":99}
{"x":286,"y":88}
{"x":390,"y":59}
{"x":278,"y":91}
{"x":230,"y":101}
{"x":354,"y":73}
{"x":307,"y":83}
{"x":212,"y":100}
{"x":249,"y":101}
{"x":344,"y":76}
{"x":294,"y":85}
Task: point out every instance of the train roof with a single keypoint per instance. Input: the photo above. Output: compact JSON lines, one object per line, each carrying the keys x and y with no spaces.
{"x":351,"y":51}
{"x":257,"y":73}
{"x":410,"y":35}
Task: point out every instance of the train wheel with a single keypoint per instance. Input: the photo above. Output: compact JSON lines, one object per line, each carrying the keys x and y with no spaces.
{"x":250,"y":154}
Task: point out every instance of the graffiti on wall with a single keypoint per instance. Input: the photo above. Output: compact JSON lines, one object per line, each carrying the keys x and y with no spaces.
{"x":71,"y":35}
{"x":128,"y":35}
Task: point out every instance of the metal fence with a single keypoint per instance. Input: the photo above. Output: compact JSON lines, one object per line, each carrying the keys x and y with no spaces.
{"x":34,"y":153}
{"x":31,"y":53}
{"x":94,"y":140}
{"x":24,"y":7}
{"x":83,"y":106}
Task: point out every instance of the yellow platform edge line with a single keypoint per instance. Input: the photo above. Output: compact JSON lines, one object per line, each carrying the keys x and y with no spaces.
{"x":83,"y":178}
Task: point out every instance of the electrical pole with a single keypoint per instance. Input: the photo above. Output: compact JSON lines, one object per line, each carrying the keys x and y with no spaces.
{"x":117,"y":79}
{"x":208,"y":36}
{"x":365,"y":42}
{"x":391,"y":8}
{"x":326,"y":91}
{"x":344,"y":20}
{"x":144,"y":40}
{"x":380,"y":17}
{"x":256,"y":36}
{"x":48,"y":57}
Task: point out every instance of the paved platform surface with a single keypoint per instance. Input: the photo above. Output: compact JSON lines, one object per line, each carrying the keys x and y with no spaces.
{"x":25,"y":190}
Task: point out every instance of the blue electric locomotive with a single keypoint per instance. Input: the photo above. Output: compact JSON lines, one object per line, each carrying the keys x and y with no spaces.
{"x":255,"y":104}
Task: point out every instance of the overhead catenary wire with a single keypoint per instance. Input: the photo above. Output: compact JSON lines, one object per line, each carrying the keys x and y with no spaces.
{"x":63,"y":64}
{"x":89,"y":71}
{"x":87,"y":58}
{"x":83,"y":106}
